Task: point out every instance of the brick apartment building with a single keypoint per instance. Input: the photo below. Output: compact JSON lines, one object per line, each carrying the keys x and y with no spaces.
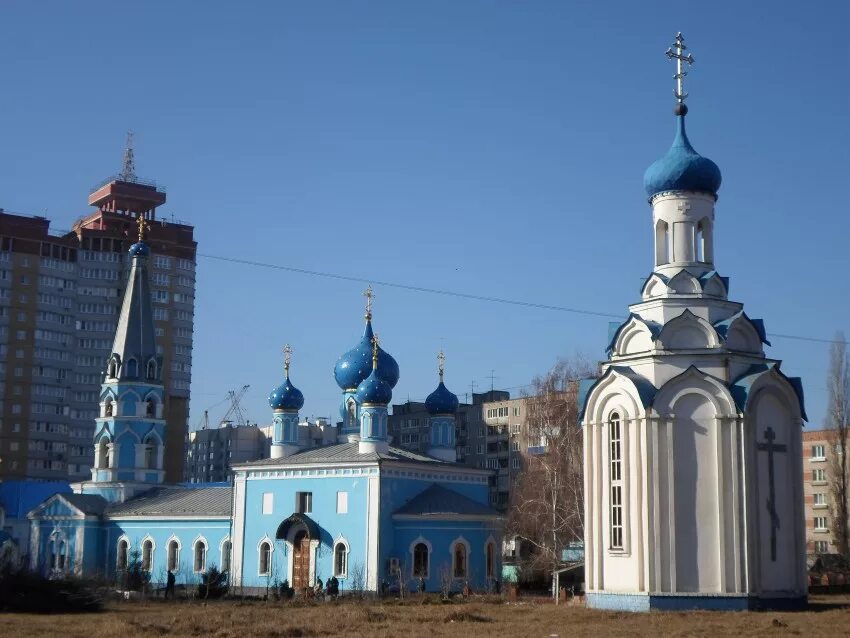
{"x":819,"y":452}
{"x":60,"y":293}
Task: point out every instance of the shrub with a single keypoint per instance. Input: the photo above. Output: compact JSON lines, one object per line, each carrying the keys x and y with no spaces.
{"x":213,"y":583}
{"x":22,"y":590}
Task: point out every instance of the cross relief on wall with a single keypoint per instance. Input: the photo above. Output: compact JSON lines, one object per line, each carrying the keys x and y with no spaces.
{"x":770,"y":447}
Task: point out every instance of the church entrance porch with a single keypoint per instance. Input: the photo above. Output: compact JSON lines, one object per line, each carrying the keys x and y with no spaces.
{"x":301,"y":534}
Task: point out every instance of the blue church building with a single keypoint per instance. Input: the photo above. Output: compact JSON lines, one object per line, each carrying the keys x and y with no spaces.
{"x":359,"y":510}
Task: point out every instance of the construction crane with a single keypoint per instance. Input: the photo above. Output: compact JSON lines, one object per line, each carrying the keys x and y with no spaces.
{"x":235,"y":409}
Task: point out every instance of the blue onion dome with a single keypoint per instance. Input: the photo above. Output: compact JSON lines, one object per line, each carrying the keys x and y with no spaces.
{"x":682,"y":168}
{"x":139,"y":249}
{"x":286,"y":397}
{"x":441,"y":401}
{"x":356,"y":365}
{"x":375,"y":390}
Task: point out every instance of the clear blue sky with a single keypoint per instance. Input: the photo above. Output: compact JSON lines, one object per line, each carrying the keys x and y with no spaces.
{"x":494,"y":148}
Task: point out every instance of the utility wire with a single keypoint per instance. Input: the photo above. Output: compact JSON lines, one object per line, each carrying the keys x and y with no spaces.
{"x":466,"y":295}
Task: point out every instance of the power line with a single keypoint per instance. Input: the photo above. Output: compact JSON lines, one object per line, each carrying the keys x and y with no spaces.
{"x":466,"y":295}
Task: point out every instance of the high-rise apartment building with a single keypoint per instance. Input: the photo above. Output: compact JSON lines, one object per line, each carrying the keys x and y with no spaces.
{"x":60,"y":293}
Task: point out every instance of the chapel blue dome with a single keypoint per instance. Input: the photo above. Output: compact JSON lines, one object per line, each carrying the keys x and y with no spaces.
{"x":139,"y":249}
{"x":441,"y":401}
{"x":682,"y":168}
{"x":355,"y":365}
{"x":286,"y":397}
{"x":374,"y":389}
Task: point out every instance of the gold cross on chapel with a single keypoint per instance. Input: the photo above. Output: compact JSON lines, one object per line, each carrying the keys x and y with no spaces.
{"x":441,"y":359}
{"x":143,"y":227}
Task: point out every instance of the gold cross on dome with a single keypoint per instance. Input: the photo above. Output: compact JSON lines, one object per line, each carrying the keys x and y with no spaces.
{"x":287,"y":358}
{"x":375,"y":342}
{"x":441,"y":359}
{"x":143,"y":227}
{"x":370,"y":295}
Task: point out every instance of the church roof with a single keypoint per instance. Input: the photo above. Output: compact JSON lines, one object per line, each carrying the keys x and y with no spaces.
{"x":346,"y":453}
{"x":86,"y":503}
{"x":176,"y":501}
{"x":134,"y":336}
{"x":439,"y":501}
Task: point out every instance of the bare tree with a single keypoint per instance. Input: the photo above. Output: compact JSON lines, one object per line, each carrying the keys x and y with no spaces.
{"x":838,"y":423}
{"x":547,"y":503}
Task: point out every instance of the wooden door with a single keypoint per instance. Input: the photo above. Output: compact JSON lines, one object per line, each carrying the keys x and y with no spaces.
{"x":301,"y":561}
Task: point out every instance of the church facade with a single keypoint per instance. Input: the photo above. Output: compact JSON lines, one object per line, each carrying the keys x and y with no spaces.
{"x":692,"y":435}
{"x":371,"y":515}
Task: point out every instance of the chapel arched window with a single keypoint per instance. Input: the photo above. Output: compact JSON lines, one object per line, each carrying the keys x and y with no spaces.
{"x":151,"y":372}
{"x":150,"y":453}
{"x":60,"y":558}
{"x":615,"y":460}
{"x":132,"y":368}
{"x":150,"y":407}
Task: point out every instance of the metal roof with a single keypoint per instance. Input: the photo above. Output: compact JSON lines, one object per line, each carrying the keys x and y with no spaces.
{"x":438,"y":500}
{"x":345,"y":453}
{"x":86,"y":503}
{"x":176,"y":501}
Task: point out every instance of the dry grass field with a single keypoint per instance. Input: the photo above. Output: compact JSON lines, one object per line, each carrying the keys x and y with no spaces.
{"x":828,"y":617}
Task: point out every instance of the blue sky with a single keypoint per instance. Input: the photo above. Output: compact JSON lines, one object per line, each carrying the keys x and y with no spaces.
{"x":493,"y":148}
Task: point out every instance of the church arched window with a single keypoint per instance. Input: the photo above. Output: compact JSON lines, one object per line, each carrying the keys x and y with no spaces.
{"x":200,"y":556}
{"x":151,"y":370}
{"x":150,"y":453}
{"x":61,"y":555}
{"x":123,"y":551}
{"x":173,"y":555}
{"x":108,"y":407}
{"x":112,"y":369}
{"x":132,"y":368}
{"x":265,"y":558}
{"x":420,"y":560}
{"x":615,"y":460}
{"x":459,"y":560}
{"x":102,"y":455}
{"x":226,"y":550}
{"x":340,"y":559}
{"x":150,"y":407}
{"x":147,"y":554}
{"x":490,"y":560}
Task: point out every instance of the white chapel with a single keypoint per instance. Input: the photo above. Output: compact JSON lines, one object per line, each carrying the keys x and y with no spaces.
{"x":692,"y":435}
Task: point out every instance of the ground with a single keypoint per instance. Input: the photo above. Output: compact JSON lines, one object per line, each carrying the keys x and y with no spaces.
{"x":828,"y":616}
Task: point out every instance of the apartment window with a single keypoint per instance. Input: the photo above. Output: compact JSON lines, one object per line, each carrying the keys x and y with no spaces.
{"x":821,"y":547}
{"x":616,"y":478}
{"x":820,"y":524}
{"x":160,"y":296}
{"x":480,"y":449}
{"x":818,"y":453}
{"x":160,"y":314}
{"x":819,"y":475}
{"x":342,"y":502}
{"x":304,"y":502}
{"x":819,"y":499}
{"x":515,"y":462}
{"x":516,"y":411}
